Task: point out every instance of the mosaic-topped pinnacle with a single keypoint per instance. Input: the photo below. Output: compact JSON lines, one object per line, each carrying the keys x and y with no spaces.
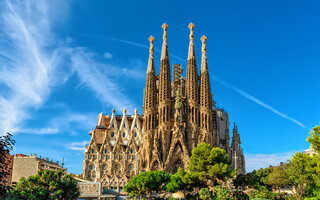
{"x":136,"y":111}
{"x":113,"y":110}
{"x":165,"y":27}
{"x":191,"y":27}
{"x":204,"y":49}
{"x":124,"y":110}
{"x":151,"y":39}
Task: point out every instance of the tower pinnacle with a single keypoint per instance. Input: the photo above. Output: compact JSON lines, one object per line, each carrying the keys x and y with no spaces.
{"x":151,"y":54}
{"x":204,"y":65}
{"x":164,"y":52}
{"x":191,"y":53}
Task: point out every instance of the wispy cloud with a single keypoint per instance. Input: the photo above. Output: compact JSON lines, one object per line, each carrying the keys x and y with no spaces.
{"x":259,"y":102}
{"x":106,"y":90}
{"x":258,"y":161}
{"x":107,"y":55}
{"x":136,"y":44}
{"x":38,"y":131}
{"x":77,"y":146}
{"x":33,"y":60}
{"x":24,"y":67}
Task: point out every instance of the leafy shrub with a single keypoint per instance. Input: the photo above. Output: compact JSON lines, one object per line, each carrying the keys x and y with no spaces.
{"x":220,"y":193}
{"x":239,"y":195}
{"x":205,"y":194}
{"x":261,"y":193}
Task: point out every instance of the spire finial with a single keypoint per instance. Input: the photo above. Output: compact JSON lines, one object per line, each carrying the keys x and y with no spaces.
{"x":113,"y":110}
{"x":151,"y":40}
{"x":204,"y":49}
{"x":151,"y":50}
{"x":164,"y":51}
{"x":136,"y":111}
{"x":191,"y":27}
{"x":124,"y":111}
{"x":165,"y":27}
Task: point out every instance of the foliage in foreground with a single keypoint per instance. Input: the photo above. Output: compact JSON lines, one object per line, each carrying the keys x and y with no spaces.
{"x":43,"y":186}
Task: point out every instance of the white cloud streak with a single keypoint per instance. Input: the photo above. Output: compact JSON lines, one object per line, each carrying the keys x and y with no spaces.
{"x":33,"y":60}
{"x":77,"y":146}
{"x":259,"y":102}
{"x":138,"y":45}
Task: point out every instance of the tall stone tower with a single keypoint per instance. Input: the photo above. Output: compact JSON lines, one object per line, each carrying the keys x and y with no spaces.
{"x":207,"y":132}
{"x":192,"y":93}
{"x":150,"y":108}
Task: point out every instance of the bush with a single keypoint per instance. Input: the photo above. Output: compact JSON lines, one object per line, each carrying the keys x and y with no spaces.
{"x":239,"y":195}
{"x":205,"y":194}
{"x":261,"y":193}
{"x":220,"y":193}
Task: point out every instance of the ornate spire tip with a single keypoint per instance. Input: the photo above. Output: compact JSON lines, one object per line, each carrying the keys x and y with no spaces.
{"x":151,"y":39}
{"x":165,"y":26}
{"x":191,"y":26}
{"x":203,"y":38}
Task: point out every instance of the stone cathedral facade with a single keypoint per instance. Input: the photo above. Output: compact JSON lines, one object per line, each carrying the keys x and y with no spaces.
{"x":178,"y":114}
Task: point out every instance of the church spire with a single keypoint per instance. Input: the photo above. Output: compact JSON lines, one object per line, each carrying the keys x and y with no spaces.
{"x":192,"y":86}
{"x":151,"y":55}
{"x":164,"y":75}
{"x":150,"y":96}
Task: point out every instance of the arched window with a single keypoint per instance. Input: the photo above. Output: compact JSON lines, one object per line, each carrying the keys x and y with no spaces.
{"x":124,"y":134}
{"x":135,"y":134}
{"x":91,"y":172}
{"x":112,"y":134}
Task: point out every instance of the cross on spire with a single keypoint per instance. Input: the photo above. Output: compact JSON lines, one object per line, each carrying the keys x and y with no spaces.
{"x":235,"y":159}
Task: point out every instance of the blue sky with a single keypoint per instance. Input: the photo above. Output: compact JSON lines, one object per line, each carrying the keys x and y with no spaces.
{"x":64,"y":62}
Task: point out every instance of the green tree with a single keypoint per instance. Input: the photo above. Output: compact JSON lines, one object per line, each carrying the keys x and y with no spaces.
{"x":263,"y":175}
{"x":189,"y":180}
{"x":300,"y":171}
{"x":6,"y":145}
{"x":278,"y":178}
{"x":45,"y":185}
{"x":314,"y":138}
{"x":146,"y":182}
{"x":212,"y":165}
{"x":175,"y":183}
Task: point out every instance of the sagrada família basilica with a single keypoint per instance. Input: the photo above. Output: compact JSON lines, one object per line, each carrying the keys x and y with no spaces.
{"x":178,"y":114}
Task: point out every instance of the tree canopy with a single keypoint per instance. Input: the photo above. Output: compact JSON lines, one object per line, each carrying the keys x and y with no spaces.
{"x":211,"y":164}
{"x":146,"y":182}
{"x":45,"y":185}
{"x":6,"y":145}
{"x":314,"y":138}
